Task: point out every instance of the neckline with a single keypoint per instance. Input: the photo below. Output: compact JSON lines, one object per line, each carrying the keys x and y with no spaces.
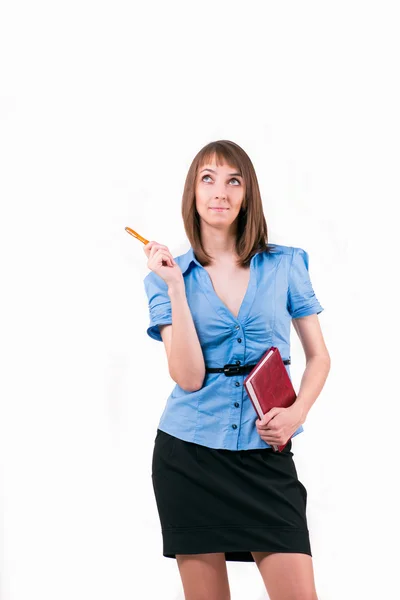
{"x":220,"y":307}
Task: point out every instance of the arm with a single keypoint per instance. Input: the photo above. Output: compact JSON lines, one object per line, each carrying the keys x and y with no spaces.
{"x":171,"y":320}
{"x":303,"y":306}
{"x":185,"y":356}
{"x":318,"y":363}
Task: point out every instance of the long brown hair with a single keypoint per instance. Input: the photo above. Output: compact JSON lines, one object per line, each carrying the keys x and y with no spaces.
{"x":252,"y":233}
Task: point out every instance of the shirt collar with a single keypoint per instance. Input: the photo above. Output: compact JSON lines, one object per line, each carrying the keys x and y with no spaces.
{"x":189,"y":257}
{"x":186,"y":260}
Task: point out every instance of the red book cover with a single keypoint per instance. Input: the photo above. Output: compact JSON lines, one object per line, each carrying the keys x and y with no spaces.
{"x":268,"y":384}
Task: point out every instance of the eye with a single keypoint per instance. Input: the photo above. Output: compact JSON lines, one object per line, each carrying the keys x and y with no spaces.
{"x":233,"y":178}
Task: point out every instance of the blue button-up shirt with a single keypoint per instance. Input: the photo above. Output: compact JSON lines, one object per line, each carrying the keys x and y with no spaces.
{"x":220,"y":414}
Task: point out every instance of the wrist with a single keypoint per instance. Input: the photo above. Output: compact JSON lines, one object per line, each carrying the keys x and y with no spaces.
{"x":300,"y":409}
{"x":176,"y":288}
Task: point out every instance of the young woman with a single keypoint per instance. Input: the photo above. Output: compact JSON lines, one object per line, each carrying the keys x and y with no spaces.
{"x":222,"y":492}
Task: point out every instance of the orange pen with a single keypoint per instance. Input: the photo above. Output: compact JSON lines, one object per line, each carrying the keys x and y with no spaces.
{"x":136,"y":235}
{"x":142,"y":239}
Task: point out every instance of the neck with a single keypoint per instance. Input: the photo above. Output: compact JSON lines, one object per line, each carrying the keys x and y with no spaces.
{"x":221,"y":245}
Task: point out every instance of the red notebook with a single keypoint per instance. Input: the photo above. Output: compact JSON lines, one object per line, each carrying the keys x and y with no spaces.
{"x":268,"y":384}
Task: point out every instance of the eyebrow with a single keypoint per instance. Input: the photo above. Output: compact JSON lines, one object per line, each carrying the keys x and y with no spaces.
{"x":212,"y":171}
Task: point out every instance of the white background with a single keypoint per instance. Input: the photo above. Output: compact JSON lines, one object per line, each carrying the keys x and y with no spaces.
{"x":103,"y":106}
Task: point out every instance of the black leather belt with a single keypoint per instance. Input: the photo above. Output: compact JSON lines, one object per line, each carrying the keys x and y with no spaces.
{"x":236,"y":368}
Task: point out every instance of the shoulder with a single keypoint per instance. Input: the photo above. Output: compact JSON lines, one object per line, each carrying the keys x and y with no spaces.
{"x":279,"y":250}
{"x":278,"y":253}
{"x":291,"y":253}
{"x":289,"y":258}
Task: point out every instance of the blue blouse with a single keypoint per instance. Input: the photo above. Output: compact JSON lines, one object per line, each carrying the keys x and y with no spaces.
{"x":220,"y":414}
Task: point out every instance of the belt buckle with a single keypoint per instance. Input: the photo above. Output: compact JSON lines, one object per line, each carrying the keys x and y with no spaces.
{"x":231,"y":369}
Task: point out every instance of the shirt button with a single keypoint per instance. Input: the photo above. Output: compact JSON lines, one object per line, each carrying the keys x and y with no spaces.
{"x":239,"y":340}
{"x":234,"y":426}
{"x":237,"y":326}
{"x":236,"y":404}
{"x":237,"y":383}
{"x":238,"y":362}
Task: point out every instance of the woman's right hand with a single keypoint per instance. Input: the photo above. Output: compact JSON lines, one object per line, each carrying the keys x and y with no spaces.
{"x":161,"y":261}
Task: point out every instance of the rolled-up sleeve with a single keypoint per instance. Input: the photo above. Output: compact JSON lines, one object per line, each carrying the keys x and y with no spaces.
{"x":159,"y":304}
{"x":301,"y":297}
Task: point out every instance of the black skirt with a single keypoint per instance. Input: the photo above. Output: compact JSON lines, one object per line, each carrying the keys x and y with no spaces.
{"x":231,"y":501}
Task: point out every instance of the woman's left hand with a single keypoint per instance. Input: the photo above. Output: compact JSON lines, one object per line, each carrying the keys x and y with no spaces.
{"x":279,"y":424}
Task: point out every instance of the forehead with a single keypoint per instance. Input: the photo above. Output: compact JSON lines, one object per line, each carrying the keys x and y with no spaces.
{"x":216,"y":162}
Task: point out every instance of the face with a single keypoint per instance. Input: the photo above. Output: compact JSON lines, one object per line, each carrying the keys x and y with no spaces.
{"x":219,"y":187}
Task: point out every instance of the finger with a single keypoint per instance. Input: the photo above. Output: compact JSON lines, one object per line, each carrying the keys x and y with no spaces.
{"x":268,"y":421}
{"x":168,"y":260}
{"x":271,"y":441}
{"x":147,"y":248}
{"x":151,"y":244}
{"x":268,"y":434}
{"x":154,"y":244}
{"x":269,"y":427}
{"x":156,"y":247}
{"x":163,"y":256}
{"x":153,"y":251}
{"x":164,"y":253}
{"x":166,"y":256}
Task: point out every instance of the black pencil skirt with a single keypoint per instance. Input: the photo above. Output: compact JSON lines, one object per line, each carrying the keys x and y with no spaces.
{"x":236,"y":502}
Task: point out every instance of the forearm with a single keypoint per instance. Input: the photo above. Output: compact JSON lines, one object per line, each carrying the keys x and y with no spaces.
{"x":312,"y":382}
{"x":185,"y":359}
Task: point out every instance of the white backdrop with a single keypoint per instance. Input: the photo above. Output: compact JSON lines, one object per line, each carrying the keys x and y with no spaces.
{"x":102,"y":108}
